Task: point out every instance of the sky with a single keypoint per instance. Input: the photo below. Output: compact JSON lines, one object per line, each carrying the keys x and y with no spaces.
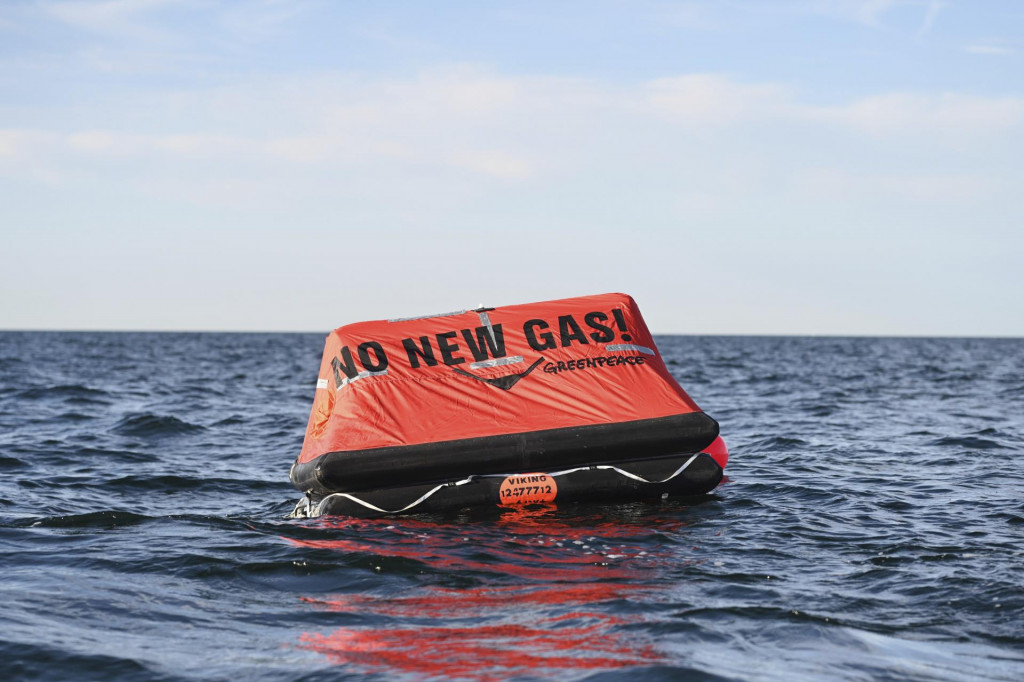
{"x":851,"y":167}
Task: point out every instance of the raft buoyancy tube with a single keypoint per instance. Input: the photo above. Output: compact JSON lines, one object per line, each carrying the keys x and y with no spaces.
{"x":442,"y":411}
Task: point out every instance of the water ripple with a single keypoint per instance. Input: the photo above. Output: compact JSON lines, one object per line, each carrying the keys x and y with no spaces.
{"x":869,"y":527}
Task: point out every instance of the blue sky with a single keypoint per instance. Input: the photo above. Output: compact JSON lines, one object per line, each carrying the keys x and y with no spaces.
{"x":795,"y":167}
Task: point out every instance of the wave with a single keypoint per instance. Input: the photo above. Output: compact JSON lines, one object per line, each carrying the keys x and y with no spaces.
{"x":32,"y":660}
{"x":97,"y":519}
{"x":149,"y":425}
{"x":176,"y":483}
{"x":11,"y":463}
{"x":969,"y":443}
{"x":72,"y":393}
{"x":777,"y":443}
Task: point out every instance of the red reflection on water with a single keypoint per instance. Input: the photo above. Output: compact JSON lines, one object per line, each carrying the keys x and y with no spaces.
{"x":478,"y":653}
{"x":439,"y":601}
{"x":512,"y":631}
{"x":554,"y":619}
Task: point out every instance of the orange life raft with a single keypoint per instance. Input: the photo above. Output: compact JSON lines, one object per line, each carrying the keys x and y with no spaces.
{"x":538,"y":403}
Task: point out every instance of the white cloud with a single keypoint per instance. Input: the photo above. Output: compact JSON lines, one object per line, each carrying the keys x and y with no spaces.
{"x":741,"y":183}
{"x":110,"y":17}
{"x":494,"y":163}
{"x":870,"y":11}
{"x":989,"y":50}
{"x":21,"y":144}
{"x":866,"y":12}
{"x":917,"y":114}
{"x":150,"y":21}
{"x":878,"y":14}
{"x":9,"y":140}
{"x":708,"y":99}
{"x":687,"y":15}
{"x":469,"y":113}
{"x":714,"y":99}
{"x":94,"y":141}
{"x":917,"y":188}
{"x":260,"y":19}
{"x":686,"y":147}
{"x":930,"y":15}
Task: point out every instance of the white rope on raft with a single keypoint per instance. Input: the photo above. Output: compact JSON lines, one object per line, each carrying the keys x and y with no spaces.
{"x":470,"y":479}
{"x":407,"y":507}
{"x":626,"y":473}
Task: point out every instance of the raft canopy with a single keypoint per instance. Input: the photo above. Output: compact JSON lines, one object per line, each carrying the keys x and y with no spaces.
{"x":518,"y":388}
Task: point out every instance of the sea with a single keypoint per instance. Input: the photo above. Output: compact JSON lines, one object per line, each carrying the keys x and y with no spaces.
{"x":870,"y":527}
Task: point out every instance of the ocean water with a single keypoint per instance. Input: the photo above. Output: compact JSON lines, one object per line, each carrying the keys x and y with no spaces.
{"x":871,"y":527}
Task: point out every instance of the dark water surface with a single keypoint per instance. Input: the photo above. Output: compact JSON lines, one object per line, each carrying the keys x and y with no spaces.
{"x":871,"y":527}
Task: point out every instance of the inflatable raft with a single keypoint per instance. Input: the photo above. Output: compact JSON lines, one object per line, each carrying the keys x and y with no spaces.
{"x":529,"y":404}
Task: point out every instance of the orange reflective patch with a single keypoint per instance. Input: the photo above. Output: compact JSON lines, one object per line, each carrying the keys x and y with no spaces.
{"x":527,"y":489}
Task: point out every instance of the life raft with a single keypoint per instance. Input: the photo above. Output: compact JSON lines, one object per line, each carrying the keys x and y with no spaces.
{"x":540,"y":403}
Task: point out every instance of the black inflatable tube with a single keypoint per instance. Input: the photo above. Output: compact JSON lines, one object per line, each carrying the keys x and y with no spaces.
{"x":547,"y":450}
{"x":587,"y":484}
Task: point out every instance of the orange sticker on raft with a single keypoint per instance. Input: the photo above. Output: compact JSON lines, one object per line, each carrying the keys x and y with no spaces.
{"x":527,"y":489}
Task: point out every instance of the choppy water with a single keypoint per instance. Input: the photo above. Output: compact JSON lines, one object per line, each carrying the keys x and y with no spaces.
{"x":871,"y":527}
